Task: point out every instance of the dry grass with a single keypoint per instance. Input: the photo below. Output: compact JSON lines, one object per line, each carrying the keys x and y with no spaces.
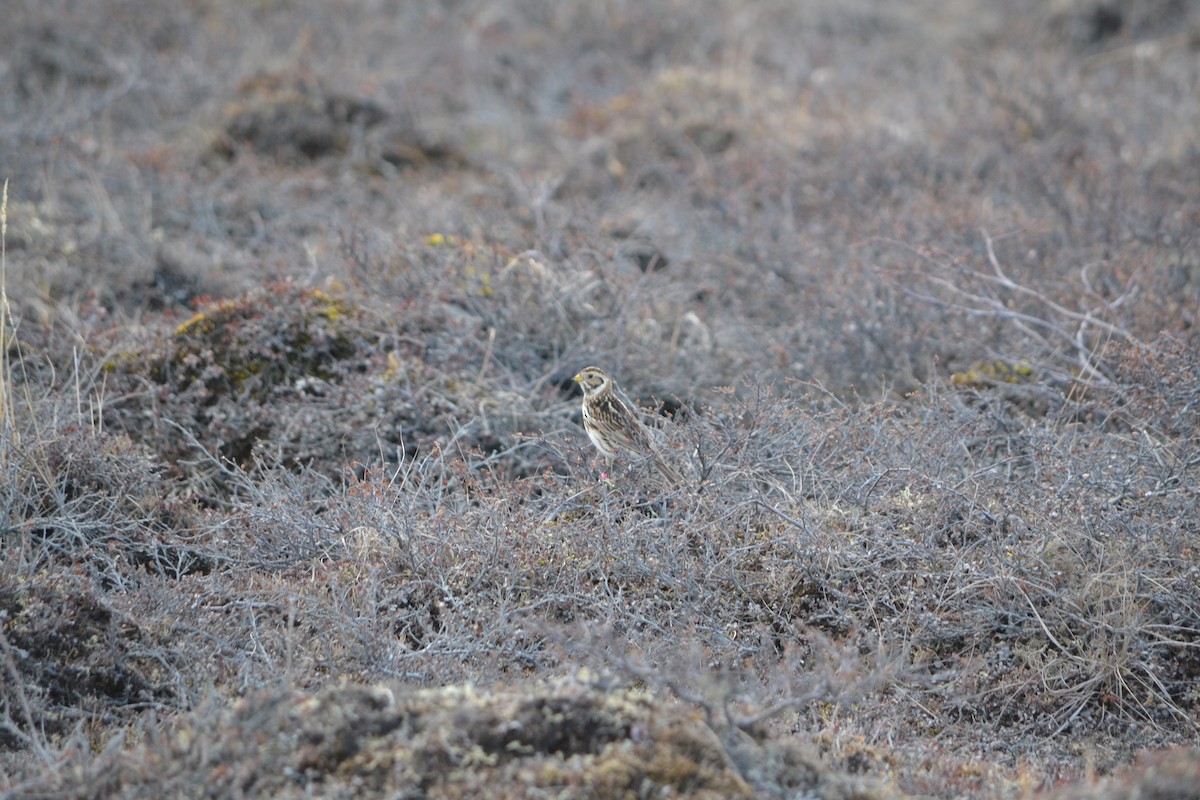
{"x":291,"y":455}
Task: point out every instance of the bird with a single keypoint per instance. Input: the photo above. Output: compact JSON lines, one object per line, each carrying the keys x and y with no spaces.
{"x":613,"y":424}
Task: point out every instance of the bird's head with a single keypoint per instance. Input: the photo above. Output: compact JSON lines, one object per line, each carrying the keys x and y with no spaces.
{"x":593,"y":380}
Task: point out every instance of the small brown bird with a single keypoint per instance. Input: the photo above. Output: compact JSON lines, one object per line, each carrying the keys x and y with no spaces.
{"x":613,"y":424}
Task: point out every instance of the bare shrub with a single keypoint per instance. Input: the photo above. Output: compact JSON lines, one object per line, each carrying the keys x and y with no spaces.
{"x":938,"y":524}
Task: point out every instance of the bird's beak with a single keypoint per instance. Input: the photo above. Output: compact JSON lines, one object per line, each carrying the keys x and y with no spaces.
{"x":578,"y":378}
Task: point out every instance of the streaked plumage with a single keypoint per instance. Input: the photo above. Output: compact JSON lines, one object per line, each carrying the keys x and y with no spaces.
{"x":613,"y":424}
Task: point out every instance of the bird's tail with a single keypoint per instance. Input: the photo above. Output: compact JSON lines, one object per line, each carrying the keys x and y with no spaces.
{"x":667,"y":470}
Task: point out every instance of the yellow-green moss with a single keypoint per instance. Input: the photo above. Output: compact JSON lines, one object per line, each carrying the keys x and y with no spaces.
{"x":990,"y":373}
{"x":263,"y":337}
